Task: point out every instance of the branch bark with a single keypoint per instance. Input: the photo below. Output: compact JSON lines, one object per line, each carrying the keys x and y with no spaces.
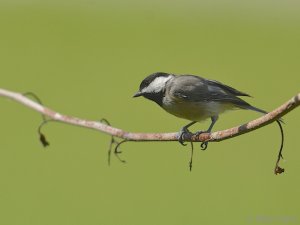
{"x":116,"y":132}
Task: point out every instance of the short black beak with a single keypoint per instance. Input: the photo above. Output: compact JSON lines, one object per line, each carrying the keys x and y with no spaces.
{"x":138,"y":94}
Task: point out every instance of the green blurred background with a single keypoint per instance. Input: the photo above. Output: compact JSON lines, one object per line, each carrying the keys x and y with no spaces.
{"x":87,"y":58}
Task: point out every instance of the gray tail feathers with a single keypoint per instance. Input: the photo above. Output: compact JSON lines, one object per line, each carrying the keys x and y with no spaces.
{"x":250,"y":107}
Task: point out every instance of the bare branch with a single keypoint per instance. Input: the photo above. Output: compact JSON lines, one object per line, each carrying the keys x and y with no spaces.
{"x":204,"y":137}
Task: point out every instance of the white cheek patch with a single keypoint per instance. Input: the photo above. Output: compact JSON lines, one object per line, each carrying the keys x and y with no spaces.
{"x":157,"y":85}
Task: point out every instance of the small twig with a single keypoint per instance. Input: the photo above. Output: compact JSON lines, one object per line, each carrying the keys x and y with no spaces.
{"x":36,"y":98}
{"x":43,"y":139}
{"x":117,"y":153}
{"x":113,"y":141}
{"x":278,"y":169}
{"x":191,"y":159}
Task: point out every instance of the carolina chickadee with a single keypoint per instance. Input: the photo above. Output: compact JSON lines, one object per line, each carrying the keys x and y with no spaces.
{"x":193,"y":98}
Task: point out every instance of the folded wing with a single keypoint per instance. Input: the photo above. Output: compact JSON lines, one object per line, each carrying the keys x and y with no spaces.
{"x":197,"y":89}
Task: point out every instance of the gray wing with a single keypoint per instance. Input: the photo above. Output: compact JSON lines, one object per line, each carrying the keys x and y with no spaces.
{"x":216,"y":84}
{"x":194,"y":89}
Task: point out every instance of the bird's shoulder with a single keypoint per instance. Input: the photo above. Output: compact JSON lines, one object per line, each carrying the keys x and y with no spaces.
{"x":188,"y":87}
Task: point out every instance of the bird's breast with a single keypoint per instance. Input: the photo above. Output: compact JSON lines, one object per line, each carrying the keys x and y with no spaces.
{"x":195,"y":111}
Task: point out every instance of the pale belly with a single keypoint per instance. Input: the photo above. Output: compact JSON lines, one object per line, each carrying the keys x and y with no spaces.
{"x":196,"y":111}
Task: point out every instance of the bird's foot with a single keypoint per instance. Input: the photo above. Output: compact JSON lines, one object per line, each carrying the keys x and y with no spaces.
{"x":184,"y":132}
{"x":205,"y":143}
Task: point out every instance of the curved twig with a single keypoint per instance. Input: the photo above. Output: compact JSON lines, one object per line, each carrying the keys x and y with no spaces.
{"x":278,"y":169}
{"x":203,"y":137}
{"x":113,"y":142}
{"x":105,"y":127}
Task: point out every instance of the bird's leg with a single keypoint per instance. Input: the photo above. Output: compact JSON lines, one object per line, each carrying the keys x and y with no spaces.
{"x":213,"y":121}
{"x":184,"y":131}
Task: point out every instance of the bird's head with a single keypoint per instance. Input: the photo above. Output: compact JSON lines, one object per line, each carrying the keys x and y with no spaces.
{"x":153,"y":86}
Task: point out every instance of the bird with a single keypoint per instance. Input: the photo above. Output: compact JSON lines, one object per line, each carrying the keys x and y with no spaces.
{"x":193,"y":98}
